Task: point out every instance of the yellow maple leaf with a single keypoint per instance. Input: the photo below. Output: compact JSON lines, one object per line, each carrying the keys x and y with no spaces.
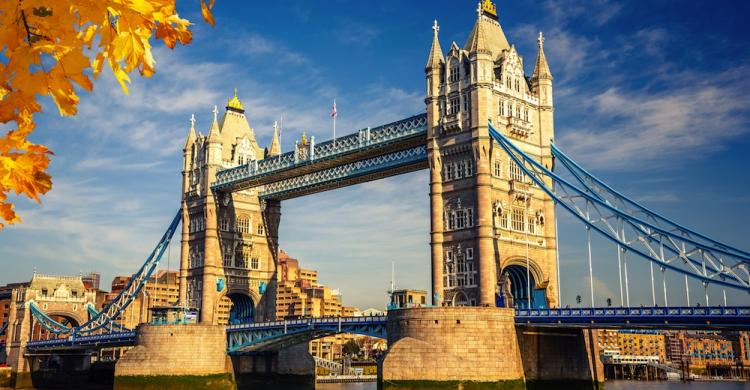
{"x":72,"y":36}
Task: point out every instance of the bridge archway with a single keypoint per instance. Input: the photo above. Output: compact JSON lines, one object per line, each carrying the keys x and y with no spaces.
{"x":237,"y":307}
{"x":70,"y":320}
{"x":514,"y":274}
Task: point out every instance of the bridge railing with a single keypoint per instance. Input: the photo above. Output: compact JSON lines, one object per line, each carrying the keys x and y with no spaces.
{"x":72,"y":341}
{"x":636,"y":312}
{"x":364,"y":138}
{"x":308,"y":322}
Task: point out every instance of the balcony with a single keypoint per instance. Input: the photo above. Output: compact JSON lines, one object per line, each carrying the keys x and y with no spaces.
{"x":519,"y":189}
{"x":519,"y":128}
{"x":454,"y":122}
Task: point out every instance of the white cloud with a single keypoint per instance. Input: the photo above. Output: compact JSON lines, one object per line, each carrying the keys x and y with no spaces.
{"x":644,"y":128}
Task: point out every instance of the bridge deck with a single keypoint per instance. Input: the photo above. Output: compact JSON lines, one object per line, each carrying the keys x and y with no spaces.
{"x":275,"y":335}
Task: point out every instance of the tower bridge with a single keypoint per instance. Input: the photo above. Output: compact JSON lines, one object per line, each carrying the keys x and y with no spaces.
{"x":497,"y":181}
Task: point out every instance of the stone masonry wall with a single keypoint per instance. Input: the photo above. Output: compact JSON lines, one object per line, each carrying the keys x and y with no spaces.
{"x":176,"y":350}
{"x":452,"y":344}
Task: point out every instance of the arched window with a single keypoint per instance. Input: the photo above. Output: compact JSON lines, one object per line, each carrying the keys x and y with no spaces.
{"x":243,"y":224}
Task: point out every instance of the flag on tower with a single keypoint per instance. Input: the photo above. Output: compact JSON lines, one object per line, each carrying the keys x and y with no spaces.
{"x":333,"y":110}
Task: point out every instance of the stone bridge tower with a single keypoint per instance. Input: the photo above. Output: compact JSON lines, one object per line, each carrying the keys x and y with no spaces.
{"x":491,"y":227}
{"x":228,"y":256}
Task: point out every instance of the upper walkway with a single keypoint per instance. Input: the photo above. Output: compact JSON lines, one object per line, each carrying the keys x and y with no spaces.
{"x":315,"y":167}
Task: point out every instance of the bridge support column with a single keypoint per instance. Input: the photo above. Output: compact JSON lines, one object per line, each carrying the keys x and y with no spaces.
{"x":561,"y":358}
{"x":172,"y":354}
{"x":292,"y":365}
{"x":452,"y":344}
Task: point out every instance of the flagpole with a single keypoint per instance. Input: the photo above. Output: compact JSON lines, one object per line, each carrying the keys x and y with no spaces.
{"x":335,"y":114}
{"x":281,"y":126}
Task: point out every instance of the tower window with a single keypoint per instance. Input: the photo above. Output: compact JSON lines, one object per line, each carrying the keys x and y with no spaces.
{"x":498,"y":168}
{"x":515,"y":172}
{"x":454,"y":107}
{"x":453,"y":77}
{"x":243,"y":225}
{"x":261,"y":230}
{"x":255,"y":263}
{"x":224,"y":224}
{"x":468,"y":168}
{"x":516,"y":219}
{"x":502,"y":108}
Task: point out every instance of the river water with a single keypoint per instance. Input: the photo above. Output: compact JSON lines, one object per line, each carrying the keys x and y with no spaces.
{"x":609,"y":385}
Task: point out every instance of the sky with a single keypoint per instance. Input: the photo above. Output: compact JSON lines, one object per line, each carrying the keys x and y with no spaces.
{"x":649,"y":96}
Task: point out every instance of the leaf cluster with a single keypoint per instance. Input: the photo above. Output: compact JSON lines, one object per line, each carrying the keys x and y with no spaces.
{"x":57,"y":48}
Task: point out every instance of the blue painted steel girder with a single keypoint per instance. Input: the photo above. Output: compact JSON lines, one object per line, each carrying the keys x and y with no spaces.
{"x":365,"y":144}
{"x":391,"y":164}
{"x":278,"y":335}
{"x":105,"y":340}
{"x":708,"y":318}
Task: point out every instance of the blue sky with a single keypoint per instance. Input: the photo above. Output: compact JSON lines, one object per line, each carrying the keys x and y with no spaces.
{"x":649,"y":96}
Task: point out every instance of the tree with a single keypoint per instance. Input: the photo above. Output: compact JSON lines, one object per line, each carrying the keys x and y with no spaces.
{"x":351,"y":348}
{"x":55,"y":48}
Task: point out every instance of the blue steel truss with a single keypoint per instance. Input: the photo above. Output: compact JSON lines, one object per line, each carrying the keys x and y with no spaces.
{"x":276,"y":335}
{"x":621,"y":220}
{"x":364,"y":143}
{"x":734,"y":318}
{"x":105,"y":340}
{"x":113,"y":325}
{"x":104,"y":319}
{"x":354,"y":172}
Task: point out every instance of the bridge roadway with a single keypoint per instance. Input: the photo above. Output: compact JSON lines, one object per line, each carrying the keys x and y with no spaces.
{"x":275,"y":335}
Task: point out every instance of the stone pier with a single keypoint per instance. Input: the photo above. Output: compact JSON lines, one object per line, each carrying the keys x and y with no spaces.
{"x":292,"y":365}
{"x":452,"y":344}
{"x":172,"y":354}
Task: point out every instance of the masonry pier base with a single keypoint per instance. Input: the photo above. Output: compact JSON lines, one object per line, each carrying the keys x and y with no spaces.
{"x":292,"y":365}
{"x":433,"y":347}
{"x":175,"y":356}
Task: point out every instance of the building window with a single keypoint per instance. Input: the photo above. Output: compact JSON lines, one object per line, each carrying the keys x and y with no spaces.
{"x":255,"y":263}
{"x":516,"y":219}
{"x":518,"y":112}
{"x":526,"y":115}
{"x":453,"y":76}
{"x":469,"y":253}
{"x":531,"y":225}
{"x":468,"y":168}
{"x":507,"y":81}
{"x":449,"y":256}
{"x":518,"y":86}
{"x":467,"y":101}
{"x":227,"y":257}
{"x":261,"y":230}
{"x":452,"y":221}
{"x":448,"y":171}
{"x":469,"y":217}
{"x":515,"y":172}
{"x":454,"y":106}
{"x":503,"y":220}
{"x":243,"y":225}
{"x":502,"y":108}
{"x":498,"y":168}
{"x":224,"y":224}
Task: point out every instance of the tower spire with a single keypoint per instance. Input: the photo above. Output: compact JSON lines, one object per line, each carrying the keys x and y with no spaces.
{"x":436,"y":54}
{"x":541,"y":69}
{"x":213,"y":134}
{"x":275,"y":148}
{"x":191,"y":133}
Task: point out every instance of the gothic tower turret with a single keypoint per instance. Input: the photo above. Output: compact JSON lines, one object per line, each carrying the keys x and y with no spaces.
{"x":228,"y":264}
{"x":488,"y":222}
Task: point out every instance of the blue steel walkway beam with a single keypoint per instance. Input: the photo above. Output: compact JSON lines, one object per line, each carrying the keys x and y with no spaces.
{"x":394,"y":163}
{"x":106,"y":340}
{"x":714,"y":318}
{"x":276,"y":335}
{"x":664,"y":248}
{"x":381,"y":140}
